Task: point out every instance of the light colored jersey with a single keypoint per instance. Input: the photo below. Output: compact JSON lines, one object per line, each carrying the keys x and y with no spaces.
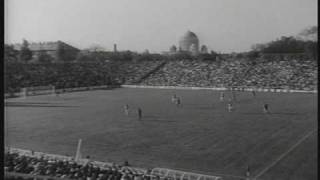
{"x":230,"y":107}
{"x":173,"y":99}
{"x":126,"y":109}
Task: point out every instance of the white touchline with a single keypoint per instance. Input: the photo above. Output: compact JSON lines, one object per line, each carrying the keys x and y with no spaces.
{"x":284,"y":154}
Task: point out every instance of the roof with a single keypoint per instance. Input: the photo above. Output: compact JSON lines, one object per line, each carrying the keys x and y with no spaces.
{"x":47,"y":46}
{"x":190,"y":34}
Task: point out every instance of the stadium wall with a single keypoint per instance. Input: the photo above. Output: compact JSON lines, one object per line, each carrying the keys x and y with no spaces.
{"x":221,"y":88}
{"x":30,"y":176}
{"x":19,"y":94}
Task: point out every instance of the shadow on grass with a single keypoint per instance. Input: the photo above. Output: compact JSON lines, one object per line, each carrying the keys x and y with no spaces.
{"x":197,"y":106}
{"x":155,"y":119}
{"x":28,"y":103}
{"x":274,"y":113}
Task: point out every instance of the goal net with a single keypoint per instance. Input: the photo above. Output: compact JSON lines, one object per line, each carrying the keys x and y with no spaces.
{"x":37,"y":90}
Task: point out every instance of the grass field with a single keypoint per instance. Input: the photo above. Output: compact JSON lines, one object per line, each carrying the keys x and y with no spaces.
{"x":200,"y":136}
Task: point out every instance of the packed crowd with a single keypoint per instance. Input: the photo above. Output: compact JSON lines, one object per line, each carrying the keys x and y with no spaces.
{"x":71,"y":75}
{"x":132,"y":72}
{"x":280,"y":74}
{"x":288,"y":74}
{"x":66,"y":169}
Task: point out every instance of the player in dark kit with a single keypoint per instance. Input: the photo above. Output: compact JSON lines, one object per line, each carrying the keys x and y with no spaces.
{"x":139,"y":113}
{"x":266,"y":108}
{"x":178,"y":102}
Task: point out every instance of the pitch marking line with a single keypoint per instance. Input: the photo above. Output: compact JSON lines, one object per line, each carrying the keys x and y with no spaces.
{"x":284,"y":154}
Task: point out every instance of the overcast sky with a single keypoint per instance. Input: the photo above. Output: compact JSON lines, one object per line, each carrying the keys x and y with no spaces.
{"x":222,"y":25}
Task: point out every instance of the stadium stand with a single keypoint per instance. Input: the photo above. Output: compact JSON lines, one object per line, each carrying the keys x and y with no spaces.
{"x":293,"y":74}
{"x":133,"y":72}
{"x":70,"y":75}
{"x":44,"y":166}
{"x":24,"y":165}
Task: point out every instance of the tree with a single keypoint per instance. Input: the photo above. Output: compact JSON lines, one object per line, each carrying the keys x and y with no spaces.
{"x":10,"y":54}
{"x":122,"y":56}
{"x":282,"y":45}
{"x":25,"y":52}
{"x":309,"y":34}
{"x":311,"y":49}
{"x":61,"y":54}
{"x":96,"y":48}
{"x":44,"y":57}
{"x":258,"y":47}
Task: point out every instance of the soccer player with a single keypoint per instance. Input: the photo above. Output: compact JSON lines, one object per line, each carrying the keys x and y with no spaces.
{"x":174,"y":98}
{"x":253,"y":93}
{"x":248,"y":172}
{"x":230,"y":107}
{"x":178,"y":102}
{"x":266,"y":108}
{"x":221,"y":96}
{"x":126,"y":109}
{"x":139,"y":113}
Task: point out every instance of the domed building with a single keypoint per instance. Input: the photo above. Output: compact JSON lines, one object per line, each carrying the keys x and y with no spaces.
{"x":189,"y":42}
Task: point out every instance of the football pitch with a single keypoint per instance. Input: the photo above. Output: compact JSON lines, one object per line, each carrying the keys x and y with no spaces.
{"x":200,"y":136}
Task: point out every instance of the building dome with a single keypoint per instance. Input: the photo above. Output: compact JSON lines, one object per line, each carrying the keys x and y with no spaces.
{"x":187,"y":40}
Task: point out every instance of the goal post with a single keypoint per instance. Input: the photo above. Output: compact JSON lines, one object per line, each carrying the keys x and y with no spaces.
{"x":181,"y":175}
{"x":38,"y":90}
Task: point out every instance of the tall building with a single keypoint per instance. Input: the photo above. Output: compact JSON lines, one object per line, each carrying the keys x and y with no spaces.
{"x":189,"y":42}
{"x":115,"y":48}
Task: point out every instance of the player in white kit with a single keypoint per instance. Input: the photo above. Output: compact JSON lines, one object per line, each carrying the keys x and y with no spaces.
{"x":230,"y":107}
{"x":174,"y":98}
{"x":126,"y":109}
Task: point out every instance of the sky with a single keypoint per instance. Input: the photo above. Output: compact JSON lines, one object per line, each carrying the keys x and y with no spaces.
{"x":223,"y":25}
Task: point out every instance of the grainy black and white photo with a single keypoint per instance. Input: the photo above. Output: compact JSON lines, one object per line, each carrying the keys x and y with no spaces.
{"x":160,"y":90}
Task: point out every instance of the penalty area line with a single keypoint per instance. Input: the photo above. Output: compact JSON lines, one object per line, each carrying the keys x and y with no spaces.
{"x":284,"y":154}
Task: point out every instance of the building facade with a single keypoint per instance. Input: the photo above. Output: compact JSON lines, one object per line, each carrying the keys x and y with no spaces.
{"x":59,"y":51}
